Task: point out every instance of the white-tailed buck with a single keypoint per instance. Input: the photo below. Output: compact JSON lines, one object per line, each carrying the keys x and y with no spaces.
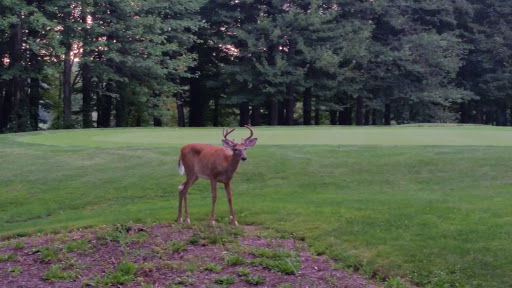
{"x":214,"y":163}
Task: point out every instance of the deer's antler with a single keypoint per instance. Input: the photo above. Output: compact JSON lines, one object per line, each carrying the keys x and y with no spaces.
{"x":250,"y":136}
{"x":226,"y":132}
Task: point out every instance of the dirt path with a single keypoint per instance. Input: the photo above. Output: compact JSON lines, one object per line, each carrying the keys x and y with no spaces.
{"x":167,"y":256}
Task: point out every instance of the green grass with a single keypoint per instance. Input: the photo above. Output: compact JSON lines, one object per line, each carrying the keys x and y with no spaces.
{"x":428,"y":204}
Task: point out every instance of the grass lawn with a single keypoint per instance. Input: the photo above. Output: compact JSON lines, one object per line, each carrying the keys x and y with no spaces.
{"x":433,"y":204}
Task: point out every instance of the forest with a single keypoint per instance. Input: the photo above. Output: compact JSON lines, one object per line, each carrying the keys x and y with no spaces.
{"x":130,"y":63}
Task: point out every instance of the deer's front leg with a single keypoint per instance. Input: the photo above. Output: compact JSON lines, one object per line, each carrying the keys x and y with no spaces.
{"x":214,"y":199}
{"x":227,"y":186}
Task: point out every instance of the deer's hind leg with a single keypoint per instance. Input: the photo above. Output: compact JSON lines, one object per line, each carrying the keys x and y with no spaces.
{"x":183,"y":193}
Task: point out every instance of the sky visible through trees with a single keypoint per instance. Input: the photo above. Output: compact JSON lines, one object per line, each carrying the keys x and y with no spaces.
{"x":119,"y":63}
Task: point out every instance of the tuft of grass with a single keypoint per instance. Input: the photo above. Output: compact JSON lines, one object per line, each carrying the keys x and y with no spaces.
{"x":212,"y":267}
{"x":15,"y":270}
{"x":47,"y":254}
{"x":280,"y":261}
{"x":7,"y":257}
{"x":396,"y":283}
{"x":234,"y":260}
{"x":176,"y":246}
{"x":243,"y":272}
{"x":146,"y":268}
{"x":225,"y":280}
{"x":19,"y":245}
{"x":55,"y":273}
{"x":186,"y":281}
{"x":194,"y":239}
{"x":81,"y":245}
{"x":124,"y":274}
{"x":254,"y":279}
{"x":192,"y":266}
{"x":289,"y":266}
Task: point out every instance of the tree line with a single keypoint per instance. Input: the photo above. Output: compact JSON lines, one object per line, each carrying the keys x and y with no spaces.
{"x":105,"y":63}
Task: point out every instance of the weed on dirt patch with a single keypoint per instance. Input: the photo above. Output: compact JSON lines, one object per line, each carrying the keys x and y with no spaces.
{"x":165,"y":256}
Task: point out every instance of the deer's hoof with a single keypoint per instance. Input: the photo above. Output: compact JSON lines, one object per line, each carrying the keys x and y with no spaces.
{"x":187,"y":220}
{"x":235,"y":223}
{"x":212,"y":223}
{"x":180,"y":220}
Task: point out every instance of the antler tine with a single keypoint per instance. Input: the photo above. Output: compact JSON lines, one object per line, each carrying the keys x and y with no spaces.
{"x":226,"y":132}
{"x":252,"y":132}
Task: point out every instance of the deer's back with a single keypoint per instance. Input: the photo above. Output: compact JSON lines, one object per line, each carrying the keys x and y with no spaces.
{"x":204,"y":160}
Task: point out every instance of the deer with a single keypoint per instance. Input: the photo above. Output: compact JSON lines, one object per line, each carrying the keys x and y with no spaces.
{"x":215,"y":163}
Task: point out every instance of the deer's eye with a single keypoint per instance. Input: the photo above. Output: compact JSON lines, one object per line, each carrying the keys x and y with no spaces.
{"x":236,"y":150}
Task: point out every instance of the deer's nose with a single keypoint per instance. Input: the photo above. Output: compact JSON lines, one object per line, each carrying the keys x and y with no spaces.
{"x":243,"y":158}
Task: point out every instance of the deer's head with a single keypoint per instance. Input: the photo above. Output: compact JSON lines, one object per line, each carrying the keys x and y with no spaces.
{"x":238,"y":148}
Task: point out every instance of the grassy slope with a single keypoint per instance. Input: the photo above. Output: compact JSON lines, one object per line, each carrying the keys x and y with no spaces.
{"x":433,"y":213}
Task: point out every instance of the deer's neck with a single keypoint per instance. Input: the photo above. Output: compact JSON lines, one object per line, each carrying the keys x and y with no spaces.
{"x":233,"y":165}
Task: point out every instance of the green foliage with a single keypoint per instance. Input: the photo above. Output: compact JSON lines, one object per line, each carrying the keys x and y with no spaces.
{"x":212,"y":267}
{"x":243,"y":272}
{"x":234,"y":260}
{"x":194,"y":239}
{"x":81,"y":245}
{"x":225,"y":280}
{"x":124,"y":274}
{"x":192,"y":266}
{"x":186,"y":281}
{"x":19,"y":245}
{"x":273,"y":254}
{"x":8,"y":257}
{"x":395,"y":283}
{"x":176,"y":246}
{"x":289,"y":266}
{"x":15,"y":270}
{"x":55,"y":273}
{"x":254,"y":279}
{"x":47,"y":254}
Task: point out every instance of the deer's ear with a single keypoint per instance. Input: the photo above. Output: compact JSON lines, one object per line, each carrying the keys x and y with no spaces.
{"x":250,"y":143}
{"x":228,"y":143}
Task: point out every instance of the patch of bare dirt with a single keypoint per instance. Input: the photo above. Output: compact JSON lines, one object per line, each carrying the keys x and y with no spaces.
{"x":165,"y":256}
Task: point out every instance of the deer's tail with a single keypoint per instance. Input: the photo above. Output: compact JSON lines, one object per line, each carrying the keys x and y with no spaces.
{"x":181,"y":169}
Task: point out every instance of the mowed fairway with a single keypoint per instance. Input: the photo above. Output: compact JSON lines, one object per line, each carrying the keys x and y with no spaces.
{"x":433,"y":204}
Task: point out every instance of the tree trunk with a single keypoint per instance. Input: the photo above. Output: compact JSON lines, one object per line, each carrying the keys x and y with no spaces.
{"x":281,"y":113}
{"x":307,"y":106}
{"x":87,"y":106}
{"x":35,"y":95}
{"x":464,"y":113}
{"x":14,"y":89}
{"x":360,"y":111}
{"x":216,"y":111}
{"x":244,"y":114}
{"x":290,"y":104}
{"x":121,"y":111}
{"x":367,"y":117}
{"x":179,"y":108}
{"x":387,"y":114}
{"x":66,"y":86}
{"x":104,"y":109}
{"x":273,"y":113}
{"x":346,"y":116}
{"x":334,"y":119}
{"x":317,"y":115}
{"x":256,"y":115}
{"x":501,"y":115}
{"x":196,"y":111}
